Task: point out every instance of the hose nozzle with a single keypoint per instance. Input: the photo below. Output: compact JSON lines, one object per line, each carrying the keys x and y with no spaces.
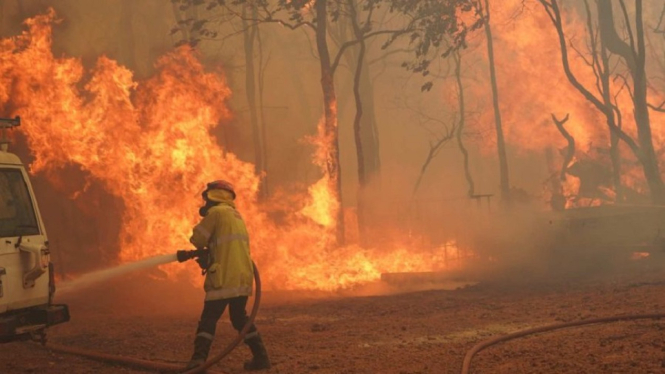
{"x":184,"y":255}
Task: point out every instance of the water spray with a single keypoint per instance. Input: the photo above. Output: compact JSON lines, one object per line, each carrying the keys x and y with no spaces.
{"x":155,"y":365}
{"x":101,"y":275}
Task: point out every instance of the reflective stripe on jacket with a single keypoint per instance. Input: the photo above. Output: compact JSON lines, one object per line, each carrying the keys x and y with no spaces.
{"x":223,"y":231}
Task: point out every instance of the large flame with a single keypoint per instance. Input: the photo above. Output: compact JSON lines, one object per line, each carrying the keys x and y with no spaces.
{"x":150,"y":143}
{"x":323,"y":203}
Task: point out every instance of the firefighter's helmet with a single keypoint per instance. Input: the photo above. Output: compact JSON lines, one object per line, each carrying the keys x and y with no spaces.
{"x":219,"y":185}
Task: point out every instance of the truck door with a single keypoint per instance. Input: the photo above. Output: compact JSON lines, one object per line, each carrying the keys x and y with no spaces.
{"x":23,"y":253}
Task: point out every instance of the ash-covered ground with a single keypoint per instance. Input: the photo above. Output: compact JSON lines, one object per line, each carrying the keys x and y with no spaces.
{"x":412,"y":332}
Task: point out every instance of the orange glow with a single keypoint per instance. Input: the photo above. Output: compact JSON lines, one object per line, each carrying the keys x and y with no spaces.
{"x":639,"y":255}
{"x":150,"y":143}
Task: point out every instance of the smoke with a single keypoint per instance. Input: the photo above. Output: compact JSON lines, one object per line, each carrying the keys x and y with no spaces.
{"x":531,"y":86}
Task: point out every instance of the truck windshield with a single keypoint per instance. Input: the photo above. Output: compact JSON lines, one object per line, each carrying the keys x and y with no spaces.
{"x":17,"y":216}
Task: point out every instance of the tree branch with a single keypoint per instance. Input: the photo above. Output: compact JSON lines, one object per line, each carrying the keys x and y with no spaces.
{"x":570,"y":151}
{"x":268,"y":19}
{"x":351,"y":43}
{"x":657,"y":108}
{"x":625,"y":84}
{"x":556,"y":20}
{"x":391,"y":52}
{"x":621,"y":134}
{"x":660,"y":22}
{"x":608,"y":111}
{"x":629,"y":29}
{"x":614,"y":43}
{"x":433,"y":151}
{"x":598,"y":71}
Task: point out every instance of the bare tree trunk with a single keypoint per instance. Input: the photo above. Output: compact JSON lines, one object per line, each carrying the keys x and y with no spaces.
{"x":557,"y":200}
{"x":369,"y":136}
{"x":362,"y":181}
{"x":249,"y":35}
{"x":330,"y":113}
{"x":264,"y":135}
{"x":501,"y":145}
{"x":615,"y":158}
{"x":457,"y":56}
{"x":369,"y":129}
{"x":615,"y":155}
{"x":634,"y":54}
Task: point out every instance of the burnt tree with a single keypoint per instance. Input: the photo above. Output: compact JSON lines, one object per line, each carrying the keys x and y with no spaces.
{"x":633,"y":54}
{"x":457,"y":57}
{"x":250,"y":36}
{"x":500,"y":142}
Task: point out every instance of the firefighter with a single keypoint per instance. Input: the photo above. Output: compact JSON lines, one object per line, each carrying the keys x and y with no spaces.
{"x":229,"y":273}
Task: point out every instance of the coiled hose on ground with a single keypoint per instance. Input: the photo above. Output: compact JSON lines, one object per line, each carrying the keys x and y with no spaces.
{"x":466,"y":366}
{"x":166,"y":367}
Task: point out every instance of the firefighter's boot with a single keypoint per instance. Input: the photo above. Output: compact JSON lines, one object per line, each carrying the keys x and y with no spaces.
{"x":201,"y":349}
{"x":260,"y":359}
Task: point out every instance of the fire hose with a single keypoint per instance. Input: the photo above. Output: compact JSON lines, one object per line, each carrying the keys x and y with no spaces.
{"x":166,"y":367}
{"x":466,"y":366}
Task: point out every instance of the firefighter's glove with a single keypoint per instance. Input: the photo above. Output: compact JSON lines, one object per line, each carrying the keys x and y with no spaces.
{"x":203,"y":260}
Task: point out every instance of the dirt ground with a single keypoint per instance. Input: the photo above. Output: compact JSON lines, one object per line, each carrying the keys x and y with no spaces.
{"x":403,"y":333}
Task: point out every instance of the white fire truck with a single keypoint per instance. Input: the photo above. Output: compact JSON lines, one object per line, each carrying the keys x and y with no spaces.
{"x":27,"y":282}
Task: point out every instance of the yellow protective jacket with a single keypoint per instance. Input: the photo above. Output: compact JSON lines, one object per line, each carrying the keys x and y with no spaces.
{"x":223,"y":232}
